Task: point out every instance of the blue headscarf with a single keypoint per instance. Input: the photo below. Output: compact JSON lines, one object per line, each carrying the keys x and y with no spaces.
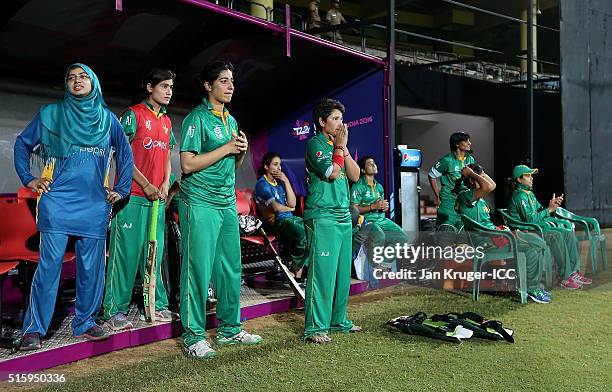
{"x":74,"y":122}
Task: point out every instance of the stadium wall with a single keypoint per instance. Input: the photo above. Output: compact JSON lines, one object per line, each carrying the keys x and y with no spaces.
{"x":586,"y":74}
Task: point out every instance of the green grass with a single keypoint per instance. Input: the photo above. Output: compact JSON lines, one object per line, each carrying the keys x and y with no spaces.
{"x":563,"y":346}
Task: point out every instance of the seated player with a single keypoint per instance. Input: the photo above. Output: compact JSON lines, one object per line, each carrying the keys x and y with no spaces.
{"x":525,"y":207}
{"x":476,"y":185}
{"x":276,"y":202}
{"x":368,"y":196}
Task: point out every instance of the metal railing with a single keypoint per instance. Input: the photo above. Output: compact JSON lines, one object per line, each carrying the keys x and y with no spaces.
{"x":370,"y":39}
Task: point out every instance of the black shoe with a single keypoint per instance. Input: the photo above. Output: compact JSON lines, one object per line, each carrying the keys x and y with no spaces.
{"x":30,"y":341}
{"x":95,"y":333}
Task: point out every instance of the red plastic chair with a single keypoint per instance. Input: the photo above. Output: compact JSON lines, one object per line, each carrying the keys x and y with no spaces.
{"x":19,"y":237}
{"x":18,"y":226}
{"x":255,"y":244}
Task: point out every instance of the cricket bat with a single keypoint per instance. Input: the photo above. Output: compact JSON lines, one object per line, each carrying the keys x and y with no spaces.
{"x":295,"y":286}
{"x":150,"y":276}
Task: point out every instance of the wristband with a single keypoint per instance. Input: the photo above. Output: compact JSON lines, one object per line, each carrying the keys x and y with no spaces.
{"x":338,"y":160}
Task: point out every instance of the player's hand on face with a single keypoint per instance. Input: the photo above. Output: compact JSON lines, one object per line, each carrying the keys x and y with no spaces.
{"x":112,"y":197}
{"x":279,"y":174}
{"x":40,"y":185}
{"x":151,"y":192}
{"x":341,"y":138}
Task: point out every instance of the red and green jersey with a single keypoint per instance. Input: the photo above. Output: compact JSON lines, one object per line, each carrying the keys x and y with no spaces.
{"x":151,"y":138}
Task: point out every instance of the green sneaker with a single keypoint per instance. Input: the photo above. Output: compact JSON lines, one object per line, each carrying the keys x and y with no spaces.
{"x":242,"y":337}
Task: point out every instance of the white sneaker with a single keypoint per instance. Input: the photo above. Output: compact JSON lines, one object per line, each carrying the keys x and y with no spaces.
{"x":242,"y":337}
{"x":200,"y":350}
{"x":165,"y":315}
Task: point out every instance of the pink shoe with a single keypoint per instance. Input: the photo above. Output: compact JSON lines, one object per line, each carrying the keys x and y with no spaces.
{"x":571,"y":284}
{"x":579,"y":278}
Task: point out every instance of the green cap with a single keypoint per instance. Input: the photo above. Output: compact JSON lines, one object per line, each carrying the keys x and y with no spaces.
{"x":522,"y":169}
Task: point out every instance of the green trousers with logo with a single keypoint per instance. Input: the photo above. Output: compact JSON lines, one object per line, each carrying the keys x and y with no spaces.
{"x":536,"y":254}
{"x":447,"y":215}
{"x":129,"y":241}
{"x":211,"y":250}
{"x":329,"y":276}
{"x":291,"y":230}
{"x":564,"y":247}
{"x":381,"y":233}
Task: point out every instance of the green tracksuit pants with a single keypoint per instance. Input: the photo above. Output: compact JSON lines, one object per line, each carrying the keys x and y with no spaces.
{"x":329,"y":276}
{"x":291,"y":230}
{"x":129,"y":239}
{"x":447,"y":215}
{"x":378,"y":234}
{"x":536,"y":253}
{"x":211,"y":250}
{"x":564,"y":247}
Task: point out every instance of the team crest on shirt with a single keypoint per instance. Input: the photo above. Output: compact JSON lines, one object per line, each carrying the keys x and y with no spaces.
{"x":368,"y":194}
{"x":191,"y":130}
{"x":218,"y":132}
{"x":148,"y":124}
{"x":166,"y":129}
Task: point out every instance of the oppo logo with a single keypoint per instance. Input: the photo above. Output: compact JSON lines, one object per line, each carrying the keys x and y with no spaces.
{"x":148,"y":143}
